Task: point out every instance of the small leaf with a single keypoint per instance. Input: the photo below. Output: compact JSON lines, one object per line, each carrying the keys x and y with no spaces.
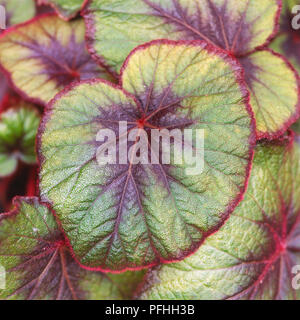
{"x":46,"y":54}
{"x":253,"y":255}
{"x":18,"y":129}
{"x":136,"y":215}
{"x":274,"y":92}
{"x":18,"y":11}
{"x":287,"y":41}
{"x":66,"y":9}
{"x":39,"y":265}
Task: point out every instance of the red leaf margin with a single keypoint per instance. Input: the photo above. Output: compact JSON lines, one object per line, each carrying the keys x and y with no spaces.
{"x":273,"y":34}
{"x":296,"y":114}
{"x":91,"y":30}
{"x":55,"y":8}
{"x":252,"y":143}
{"x":7,"y":73}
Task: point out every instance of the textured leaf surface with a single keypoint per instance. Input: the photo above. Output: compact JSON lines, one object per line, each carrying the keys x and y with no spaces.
{"x":236,"y":26}
{"x":252,"y":256}
{"x":46,"y":54}
{"x":274,"y":93}
{"x":115,"y":27}
{"x":39,"y":266}
{"x":66,"y":9}
{"x":18,"y":129}
{"x":134,"y":215}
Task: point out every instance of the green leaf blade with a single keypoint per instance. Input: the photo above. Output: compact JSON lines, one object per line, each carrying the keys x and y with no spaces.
{"x":275,"y":107}
{"x":241,"y":28}
{"x":127,"y":24}
{"x":252,"y":255}
{"x":39,"y":265}
{"x":66,"y":9}
{"x":40,"y":60}
{"x":136,"y":215}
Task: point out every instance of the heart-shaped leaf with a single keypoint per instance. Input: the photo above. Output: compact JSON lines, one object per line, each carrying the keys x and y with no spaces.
{"x":44,"y":55}
{"x":256,"y":253}
{"x":287,"y":41}
{"x":137,"y":214}
{"x":240,"y":27}
{"x":66,"y":9}
{"x":18,"y":129}
{"x":38,"y":264}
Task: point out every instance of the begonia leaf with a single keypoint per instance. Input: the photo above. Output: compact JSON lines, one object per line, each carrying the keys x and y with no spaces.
{"x":256,"y":254}
{"x":44,"y":55}
{"x":240,"y":27}
{"x":66,"y":9}
{"x":115,"y":27}
{"x":274,"y":92}
{"x":38,"y":264}
{"x":287,"y":42}
{"x":17,"y":11}
{"x":132,"y":215}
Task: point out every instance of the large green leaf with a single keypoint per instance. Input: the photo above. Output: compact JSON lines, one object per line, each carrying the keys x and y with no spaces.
{"x":135,"y":215}
{"x":18,"y":129}
{"x":46,"y":54}
{"x":67,"y":9}
{"x":38,"y":263}
{"x":255,"y":254}
{"x":115,"y":27}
